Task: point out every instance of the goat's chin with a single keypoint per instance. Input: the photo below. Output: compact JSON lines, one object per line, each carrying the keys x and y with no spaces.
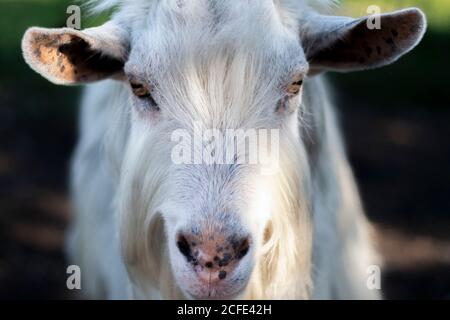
{"x":196,"y":289}
{"x":215,"y":294}
{"x":219,"y":297}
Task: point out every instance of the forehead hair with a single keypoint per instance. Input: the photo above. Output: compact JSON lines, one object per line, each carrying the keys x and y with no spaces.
{"x":138,"y":8}
{"x":215,"y":60}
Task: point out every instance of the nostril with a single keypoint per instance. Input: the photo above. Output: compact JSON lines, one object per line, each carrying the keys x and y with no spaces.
{"x":184,"y":247}
{"x":214,"y":253}
{"x":243,"y":248}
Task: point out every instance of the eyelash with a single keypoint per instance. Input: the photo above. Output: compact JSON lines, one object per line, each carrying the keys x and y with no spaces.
{"x":143,"y":93}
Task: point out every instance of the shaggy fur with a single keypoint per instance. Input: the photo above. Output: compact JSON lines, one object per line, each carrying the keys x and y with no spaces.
{"x":225,"y":65}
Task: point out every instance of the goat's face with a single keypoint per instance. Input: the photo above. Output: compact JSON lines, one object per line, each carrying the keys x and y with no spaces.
{"x":193,"y":204}
{"x":207,"y":72}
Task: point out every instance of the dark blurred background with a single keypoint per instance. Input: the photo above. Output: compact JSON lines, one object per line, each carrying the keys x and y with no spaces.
{"x":396,"y":122}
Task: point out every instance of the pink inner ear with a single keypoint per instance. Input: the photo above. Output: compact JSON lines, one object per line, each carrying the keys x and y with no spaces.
{"x":70,"y":59}
{"x":87,"y":64}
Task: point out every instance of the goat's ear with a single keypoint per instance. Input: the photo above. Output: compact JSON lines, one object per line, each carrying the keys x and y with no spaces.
{"x":347,"y":44}
{"x":67,"y":56}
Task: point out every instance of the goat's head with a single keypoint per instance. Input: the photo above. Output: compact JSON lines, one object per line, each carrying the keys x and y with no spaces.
{"x":198,"y":65}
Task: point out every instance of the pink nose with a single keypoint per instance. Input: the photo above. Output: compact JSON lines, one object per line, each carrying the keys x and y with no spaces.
{"x":213,"y":257}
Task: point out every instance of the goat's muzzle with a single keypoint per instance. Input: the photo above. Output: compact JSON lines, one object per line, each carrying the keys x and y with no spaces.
{"x":217,"y":263}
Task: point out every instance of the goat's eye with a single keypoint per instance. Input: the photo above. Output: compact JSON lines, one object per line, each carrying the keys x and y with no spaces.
{"x":140,"y":90}
{"x":295,"y":86}
{"x":143,"y":92}
{"x":290,"y":100}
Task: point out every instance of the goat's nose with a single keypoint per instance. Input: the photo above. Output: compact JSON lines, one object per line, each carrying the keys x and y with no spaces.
{"x":213,"y":257}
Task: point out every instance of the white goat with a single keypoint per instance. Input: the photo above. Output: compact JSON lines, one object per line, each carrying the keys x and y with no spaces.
{"x":146,"y":227}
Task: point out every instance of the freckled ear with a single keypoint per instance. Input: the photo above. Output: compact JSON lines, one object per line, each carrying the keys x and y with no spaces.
{"x":67,"y":56}
{"x":346,"y":44}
